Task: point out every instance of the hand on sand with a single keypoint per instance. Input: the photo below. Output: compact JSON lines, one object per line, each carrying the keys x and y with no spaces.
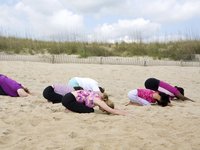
{"x":191,"y":100}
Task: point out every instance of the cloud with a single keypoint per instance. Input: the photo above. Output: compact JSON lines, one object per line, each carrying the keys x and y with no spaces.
{"x":157,"y":10}
{"x":39,"y":20}
{"x":126,"y":30}
{"x":91,"y":6}
{"x":96,"y":19}
{"x":171,"y":10}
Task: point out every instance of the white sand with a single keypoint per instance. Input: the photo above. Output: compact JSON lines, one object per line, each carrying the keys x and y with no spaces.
{"x":33,"y":124}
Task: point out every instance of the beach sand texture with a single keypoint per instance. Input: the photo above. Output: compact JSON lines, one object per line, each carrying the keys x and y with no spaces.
{"x":32,"y":123}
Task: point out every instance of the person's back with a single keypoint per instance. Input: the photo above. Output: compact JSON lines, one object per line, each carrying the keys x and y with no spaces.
{"x":86,"y":97}
{"x":164,"y":87}
{"x":161,"y":86}
{"x":88,"y":84}
{"x":85,"y":83}
{"x":146,"y":94}
{"x":83,"y":101}
{"x":10,"y":86}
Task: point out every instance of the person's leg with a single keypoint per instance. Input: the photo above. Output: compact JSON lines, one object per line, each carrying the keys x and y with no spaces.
{"x":133,"y":97}
{"x":2,"y":91}
{"x":69,"y":101}
{"x":51,"y":96}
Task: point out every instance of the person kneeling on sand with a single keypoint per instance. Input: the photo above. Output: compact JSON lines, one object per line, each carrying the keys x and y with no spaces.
{"x":86,"y":83}
{"x":55,"y":92}
{"x":142,"y":97}
{"x":83,"y":101}
{"x":10,"y":87}
{"x":161,"y":86}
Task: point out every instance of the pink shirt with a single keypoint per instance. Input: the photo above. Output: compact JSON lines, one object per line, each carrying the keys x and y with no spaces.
{"x":168,"y":89}
{"x":86,"y":97}
{"x":146,"y":94}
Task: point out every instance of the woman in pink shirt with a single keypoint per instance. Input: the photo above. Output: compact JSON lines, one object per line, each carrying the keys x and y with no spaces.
{"x":161,"y":86}
{"x":83,"y":101}
{"x":143,"y":97}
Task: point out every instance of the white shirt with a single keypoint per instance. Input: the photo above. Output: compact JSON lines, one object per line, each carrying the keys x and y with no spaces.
{"x":88,"y":84}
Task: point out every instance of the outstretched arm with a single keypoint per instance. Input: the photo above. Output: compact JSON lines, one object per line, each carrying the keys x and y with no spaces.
{"x":105,"y":107}
{"x":182,"y":97}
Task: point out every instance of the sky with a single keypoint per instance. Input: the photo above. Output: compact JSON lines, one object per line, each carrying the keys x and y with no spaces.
{"x":101,"y":20}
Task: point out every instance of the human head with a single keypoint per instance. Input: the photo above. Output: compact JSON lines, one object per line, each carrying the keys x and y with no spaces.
{"x":101,"y":89}
{"x":180,"y":89}
{"x":107,"y":101}
{"x":164,"y":99}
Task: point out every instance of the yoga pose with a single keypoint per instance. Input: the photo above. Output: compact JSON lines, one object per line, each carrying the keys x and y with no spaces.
{"x":172,"y":91}
{"x":55,"y":92}
{"x":86,"y":84}
{"x":83,"y":101}
{"x":143,"y":97}
{"x":10,"y":87}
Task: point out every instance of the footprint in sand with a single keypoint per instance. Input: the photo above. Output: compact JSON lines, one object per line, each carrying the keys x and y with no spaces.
{"x":73,"y":135}
{"x":4,"y":136}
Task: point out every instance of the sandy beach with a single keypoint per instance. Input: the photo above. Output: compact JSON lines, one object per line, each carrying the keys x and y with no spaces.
{"x":32,"y":123}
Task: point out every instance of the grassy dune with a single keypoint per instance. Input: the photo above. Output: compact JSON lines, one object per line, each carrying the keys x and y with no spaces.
{"x":177,"y":50}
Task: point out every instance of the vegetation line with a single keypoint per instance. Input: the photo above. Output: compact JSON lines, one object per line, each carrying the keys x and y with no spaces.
{"x":177,"y":50}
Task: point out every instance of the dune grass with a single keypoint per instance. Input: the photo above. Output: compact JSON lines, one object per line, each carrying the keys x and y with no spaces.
{"x":177,"y":50}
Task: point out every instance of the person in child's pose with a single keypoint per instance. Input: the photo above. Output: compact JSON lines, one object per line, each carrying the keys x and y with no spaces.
{"x":10,"y":87}
{"x":55,"y":92}
{"x":83,"y":101}
{"x":86,"y":83}
{"x":144,"y":96}
{"x":172,"y":91}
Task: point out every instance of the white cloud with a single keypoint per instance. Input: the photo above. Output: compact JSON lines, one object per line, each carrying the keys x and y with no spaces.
{"x":64,"y":19}
{"x":126,"y":30}
{"x":90,"y":6}
{"x":171,"y":10}
{"x":156,"y":10}
{"x":37,"y":20}
{"x":100,"y":19}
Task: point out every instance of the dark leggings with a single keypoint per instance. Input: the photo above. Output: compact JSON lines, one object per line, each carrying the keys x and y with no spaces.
{"x":51,"y":96}
{"x":152,"y":84}
{"x":69,"y":101}
{"x":2,"y":91}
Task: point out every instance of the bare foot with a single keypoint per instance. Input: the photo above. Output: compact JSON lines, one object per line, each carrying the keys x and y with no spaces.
{"x":131,"y":103}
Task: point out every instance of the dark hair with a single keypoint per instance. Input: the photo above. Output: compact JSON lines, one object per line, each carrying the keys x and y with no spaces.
{"x":101,"y":89}
{"x":76,"y":88}
{"x":180,"y":89}
{"x":26,"y":90}
{"x":164,"y":100}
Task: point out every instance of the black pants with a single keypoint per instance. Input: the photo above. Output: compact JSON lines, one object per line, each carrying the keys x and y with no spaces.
{"x":69,"y":101}
{"x":51,"y":96}
{"x":2,"y":91}
{"x":152,"y":84}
